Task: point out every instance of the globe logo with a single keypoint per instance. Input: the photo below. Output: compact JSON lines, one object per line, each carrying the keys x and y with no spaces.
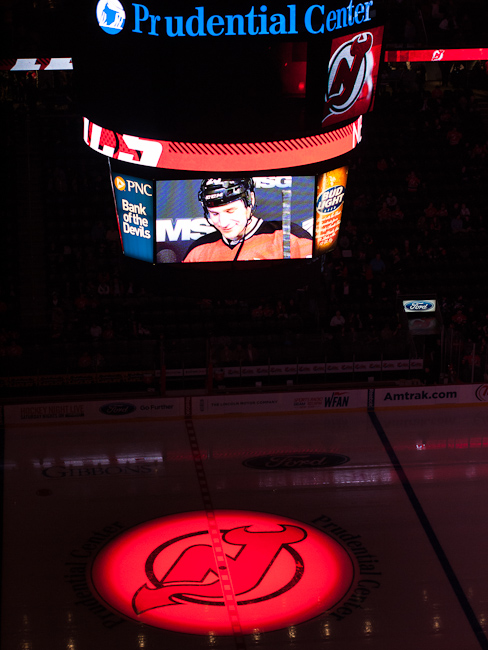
{"x":110,"y":16}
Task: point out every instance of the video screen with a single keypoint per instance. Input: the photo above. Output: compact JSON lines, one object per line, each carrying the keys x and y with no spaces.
{"x":229,"y":219}
{"x":235,"y":219}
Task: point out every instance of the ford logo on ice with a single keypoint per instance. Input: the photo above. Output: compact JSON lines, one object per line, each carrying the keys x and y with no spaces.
{"x":117,"y":408}
{"x":296,"y":461}
{"x":419,"y":305}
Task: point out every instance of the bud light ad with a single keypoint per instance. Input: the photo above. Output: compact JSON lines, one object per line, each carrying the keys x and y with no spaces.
{"x":331,"y":190}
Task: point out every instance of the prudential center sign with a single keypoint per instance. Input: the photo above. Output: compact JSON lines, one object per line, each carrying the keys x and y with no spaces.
{"x":258,"y":21}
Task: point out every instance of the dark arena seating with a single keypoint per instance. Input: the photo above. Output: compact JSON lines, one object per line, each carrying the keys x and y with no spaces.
{"x":77,"y":316}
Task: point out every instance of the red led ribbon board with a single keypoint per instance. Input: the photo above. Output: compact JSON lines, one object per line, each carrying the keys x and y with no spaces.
{"x":461,"y":54}
{"x":169,"y":573}
{"x":222,"y":157}
{"x":23,"y":65}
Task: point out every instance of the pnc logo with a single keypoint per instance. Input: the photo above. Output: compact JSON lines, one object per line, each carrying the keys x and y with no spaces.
{"x":110,"y":16}
{"x":176,"y":574}
{"x":119,"y":183}
{"x":349,"y":69}
{"x":131,"y":185}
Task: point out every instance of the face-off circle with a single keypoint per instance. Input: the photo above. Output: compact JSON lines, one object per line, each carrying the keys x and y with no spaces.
{"x":166,"y":572}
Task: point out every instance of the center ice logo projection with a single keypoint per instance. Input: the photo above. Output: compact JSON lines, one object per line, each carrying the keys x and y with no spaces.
{"x":174,"y":573}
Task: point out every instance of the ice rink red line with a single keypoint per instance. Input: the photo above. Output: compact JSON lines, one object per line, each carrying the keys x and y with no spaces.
{"x":230,"y":601}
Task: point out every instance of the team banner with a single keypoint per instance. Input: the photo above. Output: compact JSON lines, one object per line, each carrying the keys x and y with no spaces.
{"x":352,"y":75}
{"x":135,"y":213}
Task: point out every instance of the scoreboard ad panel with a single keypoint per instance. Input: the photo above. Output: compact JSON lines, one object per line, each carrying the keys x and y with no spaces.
{"x":135,"y":212}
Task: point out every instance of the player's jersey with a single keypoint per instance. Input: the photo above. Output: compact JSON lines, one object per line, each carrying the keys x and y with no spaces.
{"x":264,"y":242}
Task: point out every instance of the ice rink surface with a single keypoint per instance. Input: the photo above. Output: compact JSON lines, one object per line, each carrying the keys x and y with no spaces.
{"x":402,"y":492}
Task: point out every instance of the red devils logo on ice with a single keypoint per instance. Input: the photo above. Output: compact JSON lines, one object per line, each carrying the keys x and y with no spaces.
{"x":349,"y":69}
{"x":181,"y":573}
{"x":194,"y":577}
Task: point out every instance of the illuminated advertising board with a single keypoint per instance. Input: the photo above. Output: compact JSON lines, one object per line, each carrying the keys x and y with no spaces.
{"x":229,"y":219}
{"x":223,"y":157}
{"x":460,"y":54}
{"x":331,"y":190}
{"x":419,"y":306}
{"x":135,"y":213}
{"x":421,"y":316}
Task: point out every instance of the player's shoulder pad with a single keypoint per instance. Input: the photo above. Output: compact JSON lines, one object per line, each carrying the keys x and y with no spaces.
{"x":270,"y":227}
{"x":300,"y":232}
{"x":211,"y":238}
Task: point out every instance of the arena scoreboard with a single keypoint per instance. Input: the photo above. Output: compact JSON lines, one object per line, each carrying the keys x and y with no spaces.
{"x":166,"y":221}
{"x":263,"y":99}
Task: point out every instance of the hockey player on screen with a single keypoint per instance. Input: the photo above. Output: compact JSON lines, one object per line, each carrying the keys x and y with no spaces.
{"x":229,"y":206}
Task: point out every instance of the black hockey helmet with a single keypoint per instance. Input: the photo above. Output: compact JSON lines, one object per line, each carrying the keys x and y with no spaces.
{"x":219,"y":191}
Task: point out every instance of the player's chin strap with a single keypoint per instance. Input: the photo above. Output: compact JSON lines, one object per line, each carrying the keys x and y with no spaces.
{"x":243,"y":238}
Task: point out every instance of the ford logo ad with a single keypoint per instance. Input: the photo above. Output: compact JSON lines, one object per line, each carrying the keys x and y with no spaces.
{"x":117,"y":408}
{"x":416,"y":306}
{"x":296,"y":461}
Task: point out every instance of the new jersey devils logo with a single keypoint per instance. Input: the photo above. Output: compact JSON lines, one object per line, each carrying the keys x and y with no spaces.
{"x":349,"y":69}
{"x":482,"y":393}
{"x":175,"y":573}
{"x":255,"y":555}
